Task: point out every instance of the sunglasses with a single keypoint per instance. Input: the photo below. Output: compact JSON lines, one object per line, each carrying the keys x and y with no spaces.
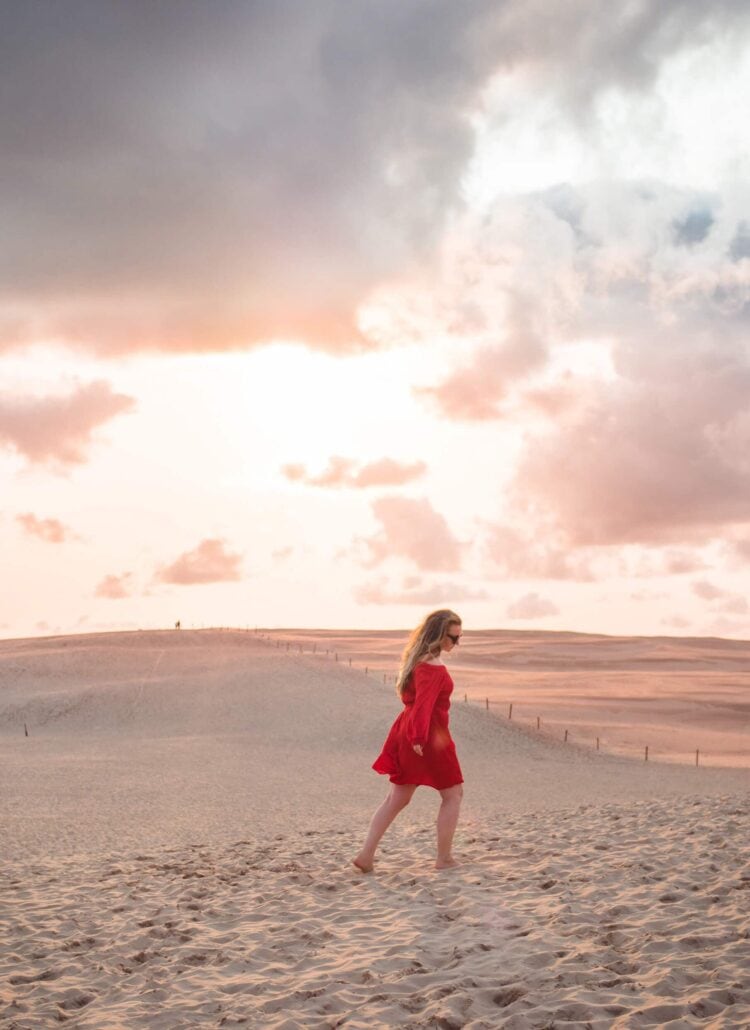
{"x":455,"y":638}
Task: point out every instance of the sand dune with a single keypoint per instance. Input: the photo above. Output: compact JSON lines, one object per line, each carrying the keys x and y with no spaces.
{"x":674,"y":694}
{"x":176,"y":831}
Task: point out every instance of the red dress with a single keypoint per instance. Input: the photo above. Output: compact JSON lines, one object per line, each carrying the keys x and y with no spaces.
{"x":424,"y":721}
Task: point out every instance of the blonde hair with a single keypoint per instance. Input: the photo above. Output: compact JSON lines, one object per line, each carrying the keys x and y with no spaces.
{"x":423,"y":643}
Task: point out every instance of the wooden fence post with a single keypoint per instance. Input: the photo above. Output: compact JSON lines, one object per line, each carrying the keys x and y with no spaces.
{"x":646,"y":755}
{"x":487,"y":703}
{"x":510,"y":711}
{"x":566,"y":736}
{"x":537,"y":722}
{"x":696,"y":756}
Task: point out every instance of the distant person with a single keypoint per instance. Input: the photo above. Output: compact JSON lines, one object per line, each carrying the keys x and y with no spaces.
{"x":419,"y":750}
{"x":177,"y":624}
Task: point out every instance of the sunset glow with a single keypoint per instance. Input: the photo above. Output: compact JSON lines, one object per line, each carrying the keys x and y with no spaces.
{"x":371,"y":318}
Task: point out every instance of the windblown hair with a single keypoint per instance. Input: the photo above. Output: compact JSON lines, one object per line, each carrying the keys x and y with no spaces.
{"x":424,"y":643}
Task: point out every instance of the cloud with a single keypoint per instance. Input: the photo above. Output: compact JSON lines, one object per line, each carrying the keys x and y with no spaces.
{"x":678,"y":562}
{"x":727,"y":602}
{"x":654,"y":450}
{"x":203,"y":183}
{"x":412,"y":529}
{"x":51,"y":530}
{"x":114,"y":587}
{"x":282,"y":553}
{"x":295,"y":472}
{"x":524,"y":556}
{"x":187,"y":182}
{"x":417,"y":591}
{"x":531,"y":606}
{"x":387,"y":472}
{"x":209,"y":562}
{"x":59,"y":429}
{"x":475,"y":391}
{"x":675,"y":622}
{"x":707,"y":590}
{"x":343,"y":472}
{"x":740,"y":549}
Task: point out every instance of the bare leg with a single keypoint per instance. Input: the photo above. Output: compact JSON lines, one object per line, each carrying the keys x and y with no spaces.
{"x":446,"y":825}
{"x":398,"y":798}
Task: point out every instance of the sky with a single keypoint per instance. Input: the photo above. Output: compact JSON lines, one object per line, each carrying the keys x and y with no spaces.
{"x":327,"y":315}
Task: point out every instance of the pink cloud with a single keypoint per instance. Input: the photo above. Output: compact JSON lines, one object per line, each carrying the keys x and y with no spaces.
{"x":51,"y":530}
{"x":342,"y":472}
{"x":678,"y":562}
{"x":643,"y":466}
{"x":209,"y":562}
{"x":412,"y":529}
{"x":525,"y":557}
{"x":295,"y":473}
{"x":741,"y":549}
{"x":730,"y":604}
{"x":675,"y":622}
{"x":531,"y":606}
{"x":338,"y":473}
{"x":707,"y":590}
{"x":560,"y":400}
{"x":649,"y":444}
{"x":416,"y":591}
{"x":475,"y":391}
{"x":59,"y":428}
{"x":387,"y":472}
{"x":282,"y":553}
{"x":114,"y":587}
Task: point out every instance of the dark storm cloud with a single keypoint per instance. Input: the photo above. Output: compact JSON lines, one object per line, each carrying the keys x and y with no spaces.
{"x":694,"y":227}
{"x":188,"y":175}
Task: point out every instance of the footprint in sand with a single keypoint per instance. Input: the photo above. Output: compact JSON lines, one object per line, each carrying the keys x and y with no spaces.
{"x":75,"y":1001}
{"x":48,"y":974}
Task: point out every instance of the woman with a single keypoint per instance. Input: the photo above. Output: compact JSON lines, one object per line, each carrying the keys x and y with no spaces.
{"x":419,"y":749}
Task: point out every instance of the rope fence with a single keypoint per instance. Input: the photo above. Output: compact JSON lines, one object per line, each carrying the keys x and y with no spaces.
{"x":536,"y":723}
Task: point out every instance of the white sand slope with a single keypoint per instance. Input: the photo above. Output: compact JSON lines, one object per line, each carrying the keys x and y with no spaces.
{"x":175,"y":835}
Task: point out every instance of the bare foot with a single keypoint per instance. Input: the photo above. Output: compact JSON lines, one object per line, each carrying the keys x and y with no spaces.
{"x":363,"y":867}
{"x":446,"y":863}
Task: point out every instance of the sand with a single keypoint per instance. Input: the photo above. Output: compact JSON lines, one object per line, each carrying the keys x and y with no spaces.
{"x":176,"y":831}
{"x":672,"y":694}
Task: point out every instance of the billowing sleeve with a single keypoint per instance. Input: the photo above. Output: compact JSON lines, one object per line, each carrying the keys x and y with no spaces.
{"x":428,"y":683}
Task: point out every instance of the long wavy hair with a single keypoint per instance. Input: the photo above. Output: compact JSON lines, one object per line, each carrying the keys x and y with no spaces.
{"x":424,"y":643}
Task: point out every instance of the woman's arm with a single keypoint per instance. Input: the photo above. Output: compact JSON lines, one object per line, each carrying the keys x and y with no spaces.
{"x":428,"y":682}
